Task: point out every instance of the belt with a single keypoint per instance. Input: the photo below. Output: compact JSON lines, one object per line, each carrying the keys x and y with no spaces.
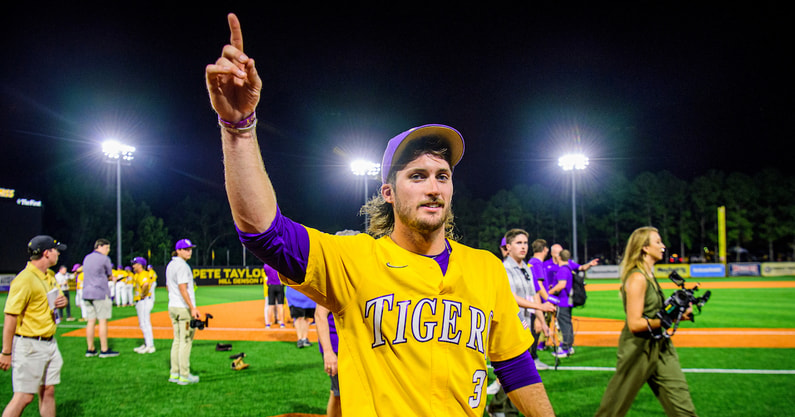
{"x":41,"y":338}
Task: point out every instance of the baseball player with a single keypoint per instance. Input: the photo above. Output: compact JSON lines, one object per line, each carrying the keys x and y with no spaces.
{"x":144,"y":301}
{"x":418,"y":313}
{"x":77,"y":269}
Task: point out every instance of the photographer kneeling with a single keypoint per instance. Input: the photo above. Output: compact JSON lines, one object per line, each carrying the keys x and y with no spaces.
{"x":645,"y":353}
{"x":181,"y":309}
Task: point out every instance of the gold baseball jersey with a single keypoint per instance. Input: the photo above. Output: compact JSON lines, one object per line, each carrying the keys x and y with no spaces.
{"x":140,"y":279}
{"x":412,"y":340}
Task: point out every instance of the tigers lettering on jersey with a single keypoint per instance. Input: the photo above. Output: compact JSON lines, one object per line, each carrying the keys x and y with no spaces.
{"x":454,"y":321}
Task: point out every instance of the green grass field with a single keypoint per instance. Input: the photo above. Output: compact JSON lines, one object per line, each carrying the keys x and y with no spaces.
{"x":283,"y":379}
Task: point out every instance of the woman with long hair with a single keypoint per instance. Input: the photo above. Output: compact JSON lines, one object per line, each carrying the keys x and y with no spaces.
{"x":645,"y":354}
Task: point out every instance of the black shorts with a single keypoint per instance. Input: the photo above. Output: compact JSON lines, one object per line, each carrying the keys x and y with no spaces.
{"x":298,"y":312}
{"x":275,"y":294}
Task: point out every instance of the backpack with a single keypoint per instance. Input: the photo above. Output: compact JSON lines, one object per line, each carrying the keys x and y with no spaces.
{"x":579,"y":295}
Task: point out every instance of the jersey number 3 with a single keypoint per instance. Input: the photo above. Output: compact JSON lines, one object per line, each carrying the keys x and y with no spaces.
{"x":479,"y":378}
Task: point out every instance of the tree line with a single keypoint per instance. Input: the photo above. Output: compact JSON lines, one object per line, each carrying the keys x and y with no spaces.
{"x":760,"y":217}
{"x":760,"y":214}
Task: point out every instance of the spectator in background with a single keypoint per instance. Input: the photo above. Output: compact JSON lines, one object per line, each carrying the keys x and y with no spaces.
{"x":77,"y":269}
{"x":62,"y":278}
{"x":562,"y":290}
{"x":274,"y":297}
{"x":144,"y":297}
{"x":524,"y":288}
{"x":328,"y":342}
{"x":536,"y":263}
{"x":181,"y":309}
{"x":29,"y":345}
{"x":97,"y":273}
{"x":644,"y":355}
{"x":302,"y":309}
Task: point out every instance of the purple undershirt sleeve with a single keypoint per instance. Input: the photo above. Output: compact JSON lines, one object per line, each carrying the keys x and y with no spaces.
{"x":284,"y":246}
{"x":517,"y":372}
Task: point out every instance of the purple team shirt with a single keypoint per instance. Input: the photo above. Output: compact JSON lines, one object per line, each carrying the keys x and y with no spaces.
{"x":272,"y":275}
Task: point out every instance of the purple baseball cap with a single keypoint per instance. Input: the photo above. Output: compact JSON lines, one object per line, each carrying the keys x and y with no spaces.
{"x":503,"y":242}
{"x":397,"y":145}
{"x":140,"y":260}
{"x":184,"y":244}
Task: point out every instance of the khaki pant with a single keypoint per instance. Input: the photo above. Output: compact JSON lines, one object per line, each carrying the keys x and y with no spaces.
{"x":183,"y":341}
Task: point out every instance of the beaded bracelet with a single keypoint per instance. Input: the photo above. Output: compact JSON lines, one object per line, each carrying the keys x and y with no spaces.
{"x":244,"y":125}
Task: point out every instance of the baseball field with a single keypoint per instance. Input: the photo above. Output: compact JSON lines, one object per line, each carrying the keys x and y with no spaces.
{"x":738,"y":356}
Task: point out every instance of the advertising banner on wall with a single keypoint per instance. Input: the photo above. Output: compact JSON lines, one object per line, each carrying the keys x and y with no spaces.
{"x":745,"y":269}
{"x":663,"y":270}
{"x":707,"y":270}
{"x":777,"y":269}
{"x":602,"y":272}
{"x":228,"y":275}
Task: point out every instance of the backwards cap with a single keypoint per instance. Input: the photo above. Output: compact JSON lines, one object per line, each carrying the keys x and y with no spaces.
{"x":397,"y":145}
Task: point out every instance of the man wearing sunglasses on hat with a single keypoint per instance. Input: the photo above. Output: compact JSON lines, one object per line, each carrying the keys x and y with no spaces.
{"x":29,"y":345}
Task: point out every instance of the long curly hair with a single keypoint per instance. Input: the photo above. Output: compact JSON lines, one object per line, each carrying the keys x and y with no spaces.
{"x":381,"y":213}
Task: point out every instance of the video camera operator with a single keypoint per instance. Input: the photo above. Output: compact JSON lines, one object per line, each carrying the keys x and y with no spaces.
{"x":645,"y":355}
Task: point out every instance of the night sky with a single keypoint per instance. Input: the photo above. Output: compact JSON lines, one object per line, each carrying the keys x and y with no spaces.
{"x":640,"y":88}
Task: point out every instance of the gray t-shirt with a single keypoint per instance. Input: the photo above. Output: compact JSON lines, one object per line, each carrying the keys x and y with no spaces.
{"x":96,"y":270}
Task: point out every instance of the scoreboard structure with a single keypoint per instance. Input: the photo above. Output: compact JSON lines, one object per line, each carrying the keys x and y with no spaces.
{"x":21,"y":219}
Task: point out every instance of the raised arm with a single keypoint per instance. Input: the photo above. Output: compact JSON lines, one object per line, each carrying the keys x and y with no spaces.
{"x":234,"y":88}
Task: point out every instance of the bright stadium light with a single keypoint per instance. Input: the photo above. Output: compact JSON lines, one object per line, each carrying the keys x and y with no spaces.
{"x":366,"y":169}
{"x":118,"y":152}
{"x":573,"y":162}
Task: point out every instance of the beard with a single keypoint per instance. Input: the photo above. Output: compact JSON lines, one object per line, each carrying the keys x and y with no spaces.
{"x":408,"y":216}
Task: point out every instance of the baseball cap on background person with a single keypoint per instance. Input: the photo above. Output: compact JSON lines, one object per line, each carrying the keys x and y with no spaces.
{"x":76,"y":267}
{"x":139,"y":260}
{"x":41,"y":243}
{"x":184,"y":244}
{"x":397,"y":145}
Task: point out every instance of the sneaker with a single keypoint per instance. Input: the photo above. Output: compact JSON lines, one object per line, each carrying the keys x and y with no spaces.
{"x":173,"y":378}
{"x":281,"y":325}
{"x":223,"y":347}
{"x":571,"y":350}
{"x":268,"y":326}
{"x":494,"y":387}
{"x":541,"y":366}
{"x":147,"y":349}
{"x":108,"y":354}
{"x":300,"y":343}
{"x":561,"y":353}
{"x":70,"y":319}
{"x":139,"y":348}
{"x":541,"y":346}
{"x":307,"y":343}
{"x":91,"y":353}
{"x":191,"y":379}
{"x":82,"y":320}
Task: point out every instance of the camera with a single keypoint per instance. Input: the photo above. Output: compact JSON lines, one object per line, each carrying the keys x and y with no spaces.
{"x":677,"y":304}
{"x":201,"y":324}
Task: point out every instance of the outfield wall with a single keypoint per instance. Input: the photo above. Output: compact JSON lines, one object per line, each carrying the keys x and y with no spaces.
{"x":738,"y":269}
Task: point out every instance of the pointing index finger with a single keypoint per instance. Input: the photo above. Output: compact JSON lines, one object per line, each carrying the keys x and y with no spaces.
{"x":236,"y":34}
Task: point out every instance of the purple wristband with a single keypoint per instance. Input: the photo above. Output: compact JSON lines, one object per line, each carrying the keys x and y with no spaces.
{"x":517,"y":372}
{"x":245,"y":124}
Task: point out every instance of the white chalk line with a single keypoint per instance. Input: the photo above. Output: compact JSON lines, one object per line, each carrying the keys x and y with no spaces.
{"x":688,"y":370}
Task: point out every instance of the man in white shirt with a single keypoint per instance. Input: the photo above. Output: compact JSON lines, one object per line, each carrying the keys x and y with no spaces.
{"x":181,"y":309}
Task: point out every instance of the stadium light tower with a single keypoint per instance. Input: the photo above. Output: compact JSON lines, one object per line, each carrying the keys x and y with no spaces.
{"x":573,"y":162}
{"x":366,"y":169}
{"x":118,"y":153}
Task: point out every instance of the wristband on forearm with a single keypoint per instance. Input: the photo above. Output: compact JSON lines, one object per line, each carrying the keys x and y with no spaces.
{"x":245,"y":125}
